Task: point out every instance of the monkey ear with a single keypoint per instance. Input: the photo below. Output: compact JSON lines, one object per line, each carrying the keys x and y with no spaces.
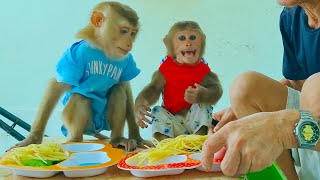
{"x":165,"y":40}
{"x":96,"y":18}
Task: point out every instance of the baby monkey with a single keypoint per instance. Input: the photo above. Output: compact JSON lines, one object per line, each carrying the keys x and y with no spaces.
{"x":94,"y":74}
{"x":187,"y":85}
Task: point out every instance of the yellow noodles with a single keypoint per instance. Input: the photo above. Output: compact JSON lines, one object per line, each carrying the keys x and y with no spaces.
{"x":168,"y":147}
{"x":43,"y":152}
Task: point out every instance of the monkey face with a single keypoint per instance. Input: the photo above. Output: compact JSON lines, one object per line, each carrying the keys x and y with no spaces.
{"x":187,"y":46}
{"x":117,"y":36}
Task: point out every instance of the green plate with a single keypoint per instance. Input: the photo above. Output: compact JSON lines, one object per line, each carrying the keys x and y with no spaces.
{"x":273,"y":172}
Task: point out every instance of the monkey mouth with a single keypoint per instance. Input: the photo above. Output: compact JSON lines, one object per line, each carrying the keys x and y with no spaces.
{"x":189,"y":53}
{"x":123,"y":51}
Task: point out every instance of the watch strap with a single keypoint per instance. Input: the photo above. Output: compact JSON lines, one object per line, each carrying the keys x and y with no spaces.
{"x":305,"y":115}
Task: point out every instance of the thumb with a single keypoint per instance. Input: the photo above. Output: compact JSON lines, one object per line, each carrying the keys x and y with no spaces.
{"x":213,"y":144}
{"x":197,"y":85}
{"x":223,"y":121}
{"x":217,"y":116}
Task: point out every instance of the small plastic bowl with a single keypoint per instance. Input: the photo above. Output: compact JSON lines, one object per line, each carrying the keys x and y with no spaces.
{"x":82,"y":147}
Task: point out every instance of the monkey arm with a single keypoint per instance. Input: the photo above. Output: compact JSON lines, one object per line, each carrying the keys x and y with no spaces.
{"x":50,"y":99}
{"x":212,"y":91}
{"x":151,"y":93}
{"x":131,"y":120}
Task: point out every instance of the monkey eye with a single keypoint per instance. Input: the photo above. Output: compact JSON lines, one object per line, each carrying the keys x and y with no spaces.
{"x":182,"y":38}
{"x":193,"y":37}
{"x":124,"y":30}
{"x":133,"y":33}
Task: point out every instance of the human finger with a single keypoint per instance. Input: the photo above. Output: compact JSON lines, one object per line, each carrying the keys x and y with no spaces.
{"x":231,"y":161}
{"x":245,"y":163}
{"x":225,"y":118}
{"x":213,"y":144}
{"x":259,"y":163}
{"x":217,"y":116}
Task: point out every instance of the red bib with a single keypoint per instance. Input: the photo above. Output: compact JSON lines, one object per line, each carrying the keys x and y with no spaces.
{"x":178,"y":78}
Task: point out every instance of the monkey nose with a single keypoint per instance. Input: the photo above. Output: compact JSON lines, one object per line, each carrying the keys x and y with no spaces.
{"x":129,"y":47}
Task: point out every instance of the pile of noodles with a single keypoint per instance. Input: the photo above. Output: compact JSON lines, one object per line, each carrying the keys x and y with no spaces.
{"x":35,"y":155}
{"x":183,"y":144}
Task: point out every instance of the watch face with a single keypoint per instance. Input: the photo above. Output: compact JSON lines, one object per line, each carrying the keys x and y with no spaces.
{"x":309,"y":132}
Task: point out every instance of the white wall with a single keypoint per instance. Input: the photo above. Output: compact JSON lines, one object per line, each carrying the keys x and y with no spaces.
{"x":241,"y":36}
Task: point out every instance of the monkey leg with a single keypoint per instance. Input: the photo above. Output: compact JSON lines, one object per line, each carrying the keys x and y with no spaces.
{"x":159,"y":137}
{"x":202,"y":131}
{"x":76,"y":115}
{"x":116,"y":116}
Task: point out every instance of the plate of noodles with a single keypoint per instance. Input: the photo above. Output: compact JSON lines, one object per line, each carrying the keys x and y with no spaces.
{"x":73,"y":159}
{"x":168,"y":157}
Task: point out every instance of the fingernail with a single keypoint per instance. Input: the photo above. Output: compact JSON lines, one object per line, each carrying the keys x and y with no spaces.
{"x":206,"y":168}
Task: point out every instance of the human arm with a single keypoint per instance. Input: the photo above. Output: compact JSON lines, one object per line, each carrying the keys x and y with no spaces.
{"x":147,"y":97}
{"x":227,"y":115}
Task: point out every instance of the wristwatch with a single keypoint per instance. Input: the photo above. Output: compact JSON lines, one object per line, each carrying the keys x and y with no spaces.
{"x":307,"y":131}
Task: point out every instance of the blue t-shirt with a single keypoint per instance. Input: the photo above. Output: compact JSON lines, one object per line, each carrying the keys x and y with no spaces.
{"x":301,"y":45}
{"x":91,"y":73}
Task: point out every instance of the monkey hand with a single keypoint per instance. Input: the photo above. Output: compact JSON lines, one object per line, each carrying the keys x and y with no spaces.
{"x":141,"y":142}
{"x":192,"y":95}
{"x":141,"y":111}
{"x":122,"y":142}
{"x":29,"y":140}
{"x":130,"y":144}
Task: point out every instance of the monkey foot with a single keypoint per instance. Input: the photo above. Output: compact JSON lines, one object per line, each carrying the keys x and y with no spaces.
{"x":74,"y":139}
{"x":127,"y":144}
{"x":101,"y":136}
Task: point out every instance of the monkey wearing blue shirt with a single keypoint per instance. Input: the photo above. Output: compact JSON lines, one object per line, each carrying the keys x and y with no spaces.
{"x":93,"y":75}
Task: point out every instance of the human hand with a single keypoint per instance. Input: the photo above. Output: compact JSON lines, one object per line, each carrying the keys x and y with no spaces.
{"x":141,"y":111}
{"x":224,"y":116}
{"x":252,"y":142}
{"x":192,"y":95}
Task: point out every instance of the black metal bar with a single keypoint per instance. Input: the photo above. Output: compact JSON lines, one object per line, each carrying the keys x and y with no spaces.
{"x":11,"y":131}
{"x":15,"y":119}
